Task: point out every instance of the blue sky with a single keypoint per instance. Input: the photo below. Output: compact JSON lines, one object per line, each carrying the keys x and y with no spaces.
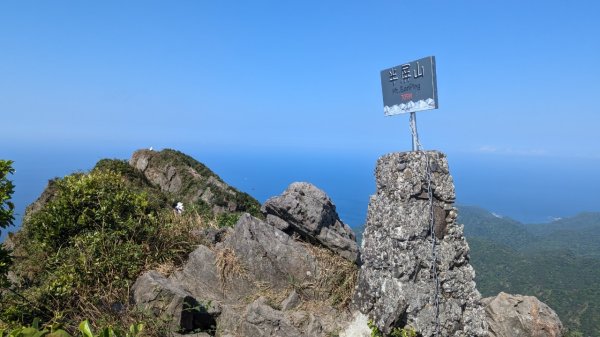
{"x":515,"y":78}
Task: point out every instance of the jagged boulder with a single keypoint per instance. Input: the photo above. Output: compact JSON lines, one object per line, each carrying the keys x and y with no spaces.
{"x":190,"y":181}
{"x":307,"y":211}
{"x":520,"y":316}
{"x":253,"y":255}
{"x":396,"y":285}
{"x":270,"y":255}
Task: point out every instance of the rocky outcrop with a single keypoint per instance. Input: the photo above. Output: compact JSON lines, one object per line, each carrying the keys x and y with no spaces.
{"x":48,"y":194}
{"x":307,"y":211}
{"x":521,"y":316}
{"x":190,"y":181}
{"x":157,"y":294}
{"x":279,"y":276}
{"x":396,"y":285}
{"x":258,"y":281}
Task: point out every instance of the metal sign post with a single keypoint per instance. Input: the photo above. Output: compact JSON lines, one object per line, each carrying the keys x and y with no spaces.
{"x":413,"y":128}
{"x":410,"y":87}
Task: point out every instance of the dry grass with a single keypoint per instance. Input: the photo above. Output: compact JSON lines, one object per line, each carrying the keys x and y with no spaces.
{"x":335,"y":279}
{"x":167,"y":268}
{"x":229,"y":266}
{"x":180,"y":234}
{"x":273,"y":296}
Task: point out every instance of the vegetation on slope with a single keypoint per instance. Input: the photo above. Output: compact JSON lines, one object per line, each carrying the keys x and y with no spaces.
{"x":483,"y":224}
{"x":196,"y":177}
{"x":6,"y":214}
{"x":86,"y":240}
{"x":551,"y":267}
{"x":77,"y":257}
{"x":89,"y":236}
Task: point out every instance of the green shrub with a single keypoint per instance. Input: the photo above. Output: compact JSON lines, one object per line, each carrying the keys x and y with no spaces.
{"x":97,"y":202}
{"x":78,"y":256}
{"x":6,"y":214}
{"x":227,"y":219}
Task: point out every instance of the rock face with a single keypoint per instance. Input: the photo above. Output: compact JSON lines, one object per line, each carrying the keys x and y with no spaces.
{"x":47,"y":195}
{"x":396,"y":286}
{"x":190,"y":181}
{"x":158,"y":294}
{"x":521,"y":316}
{"x":256,"y":282}
{"x":307,"y":211}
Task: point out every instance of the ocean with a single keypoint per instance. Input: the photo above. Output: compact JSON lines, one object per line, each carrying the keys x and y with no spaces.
{"x":527,"y":189}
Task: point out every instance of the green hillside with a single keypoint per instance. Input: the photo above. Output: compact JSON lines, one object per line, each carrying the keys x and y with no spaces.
{"x":554,"y":267}
{"x":581,"y":221}
{"x":483,"y":224}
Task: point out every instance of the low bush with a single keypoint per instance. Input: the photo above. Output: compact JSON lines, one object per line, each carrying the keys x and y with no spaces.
{"x":78,"y":256}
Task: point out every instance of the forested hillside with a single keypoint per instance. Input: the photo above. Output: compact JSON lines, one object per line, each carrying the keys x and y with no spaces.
{"x":558,"y":262}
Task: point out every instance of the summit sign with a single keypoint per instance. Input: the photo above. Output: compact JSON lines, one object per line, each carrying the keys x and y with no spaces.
{"x":409,"y":87}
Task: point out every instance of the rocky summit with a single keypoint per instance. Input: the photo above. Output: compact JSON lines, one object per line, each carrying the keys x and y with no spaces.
{"x":290,"y":267}
{"x":258,"y":280}
{"x":396,"y":285}
{"x":190,"y":181}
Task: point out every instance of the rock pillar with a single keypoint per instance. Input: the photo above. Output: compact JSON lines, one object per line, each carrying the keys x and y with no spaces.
{"x":396,"y":285}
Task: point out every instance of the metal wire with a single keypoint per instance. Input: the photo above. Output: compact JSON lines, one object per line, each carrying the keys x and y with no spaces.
{"x":419,"y":147}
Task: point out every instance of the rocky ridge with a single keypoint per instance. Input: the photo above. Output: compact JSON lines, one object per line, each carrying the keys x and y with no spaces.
{"x":259,"y":280}
{"x":291,"y":269}
{"x":191,"y":182}
{"x":395,"y":287}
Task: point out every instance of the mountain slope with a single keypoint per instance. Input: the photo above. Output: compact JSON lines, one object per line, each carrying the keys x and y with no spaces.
{"x":483,"y":224}
{"x":564,"y":281}
{"x":579,"y":222}
{"x":88,"y":237}
{"x":557,"y":268}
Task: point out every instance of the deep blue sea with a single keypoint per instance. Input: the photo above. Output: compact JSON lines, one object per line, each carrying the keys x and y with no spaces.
{"x":528,"y":189}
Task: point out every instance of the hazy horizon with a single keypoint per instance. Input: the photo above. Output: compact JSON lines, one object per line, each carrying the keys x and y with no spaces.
{"x":529,"y":191}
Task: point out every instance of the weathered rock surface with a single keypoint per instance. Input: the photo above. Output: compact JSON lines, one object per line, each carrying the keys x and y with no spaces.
{"x":48,"y":194}
{"x":520,"y":316}
{"x":261,"y":320}
{"x":191,"y":182}
{"x":308,"y":211}
{"x":154,"y":292}
{"x":396,"y":285}
{"x":246,"y":283}
{"x":270,"y":255}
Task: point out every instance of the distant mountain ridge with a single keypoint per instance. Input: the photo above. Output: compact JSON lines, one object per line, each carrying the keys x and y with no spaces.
{"x":484,"y":224}
{"x":558,"y":262}
{"x":579,"y":234}
{"x":584,"y":220}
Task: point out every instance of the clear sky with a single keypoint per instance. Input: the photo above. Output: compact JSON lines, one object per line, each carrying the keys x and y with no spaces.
{"x":515,"y":78}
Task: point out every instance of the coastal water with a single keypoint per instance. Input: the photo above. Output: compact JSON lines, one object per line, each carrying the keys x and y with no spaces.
{"x":531,"y":190}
